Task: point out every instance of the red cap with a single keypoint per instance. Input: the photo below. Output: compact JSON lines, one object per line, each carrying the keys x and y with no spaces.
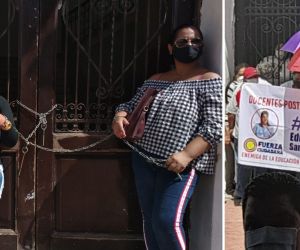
{"x":250,"y":72}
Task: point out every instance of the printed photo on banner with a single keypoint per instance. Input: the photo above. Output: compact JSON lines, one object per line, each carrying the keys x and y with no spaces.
{"x":264,"y":123}
{"x":269,"y":127}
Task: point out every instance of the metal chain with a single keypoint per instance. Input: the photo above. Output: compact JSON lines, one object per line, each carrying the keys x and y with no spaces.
{"x":157,"y":162}
{"x":42,"y":118}
{"x":54,"y":150}
{"x":43,"y":122}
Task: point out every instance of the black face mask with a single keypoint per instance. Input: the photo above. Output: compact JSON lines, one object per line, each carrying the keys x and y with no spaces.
{"x":187,"y":54}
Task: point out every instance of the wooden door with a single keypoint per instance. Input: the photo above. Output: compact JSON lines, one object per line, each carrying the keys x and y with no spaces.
{"x":105,"y":49}
{"x":85,"y":56}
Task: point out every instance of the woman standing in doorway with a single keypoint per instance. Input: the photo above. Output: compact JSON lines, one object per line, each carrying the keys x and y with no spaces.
{"x":184,"y":124}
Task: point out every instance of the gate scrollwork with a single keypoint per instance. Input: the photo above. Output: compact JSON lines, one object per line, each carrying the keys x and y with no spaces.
{"x":103,"y":40}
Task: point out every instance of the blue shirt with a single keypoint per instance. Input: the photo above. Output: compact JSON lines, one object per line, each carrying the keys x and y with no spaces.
{"x":263,"y":132}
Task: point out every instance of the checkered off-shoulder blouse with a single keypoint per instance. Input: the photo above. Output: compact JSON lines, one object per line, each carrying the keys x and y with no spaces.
{"x":181,"y":111}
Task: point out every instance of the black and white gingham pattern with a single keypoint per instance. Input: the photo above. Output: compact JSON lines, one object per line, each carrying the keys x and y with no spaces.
{"x":181,"y":111}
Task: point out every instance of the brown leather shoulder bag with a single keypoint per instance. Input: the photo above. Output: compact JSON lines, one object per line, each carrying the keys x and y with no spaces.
{"x":137,"y":118}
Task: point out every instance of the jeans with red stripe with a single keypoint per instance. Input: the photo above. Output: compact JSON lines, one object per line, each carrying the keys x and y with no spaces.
{"x":163,"y":199}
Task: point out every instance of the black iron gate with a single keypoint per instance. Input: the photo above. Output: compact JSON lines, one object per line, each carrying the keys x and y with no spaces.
{"x":105,"y":50}
{"x":262,"y":26}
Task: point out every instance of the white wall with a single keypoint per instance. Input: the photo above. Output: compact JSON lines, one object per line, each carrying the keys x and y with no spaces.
{"x":229,"y":39}
{"x":206,"y":207}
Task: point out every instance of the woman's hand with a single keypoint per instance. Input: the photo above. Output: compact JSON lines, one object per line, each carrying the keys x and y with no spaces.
{"x":178,"y":161}
{"x":118,"y":126}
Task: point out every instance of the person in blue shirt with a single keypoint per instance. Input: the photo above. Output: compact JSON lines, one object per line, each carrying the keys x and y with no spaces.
{"x":263,"y":129}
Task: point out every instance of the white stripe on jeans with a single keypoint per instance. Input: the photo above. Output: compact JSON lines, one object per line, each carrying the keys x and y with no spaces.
{"x":179,"y":234}
{"x":2,"y":182}
{"x":144,"y":233}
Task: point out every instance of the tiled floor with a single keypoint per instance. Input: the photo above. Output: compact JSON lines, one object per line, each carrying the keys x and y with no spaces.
{"x":234,"y":232}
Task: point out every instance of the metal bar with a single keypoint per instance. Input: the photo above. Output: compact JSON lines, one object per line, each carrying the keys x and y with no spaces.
{"x":285,"y":37}
{"x":278,"y":56}
{"x":147,"y":37}
{"x":112,"y":45}
{"x":159,"y":38}
{"x":8,"y":51}
{"x":124,"y":42}
{"x":100,"y":66}
{"x":135,"y":43}
{"x":66,"y":48}
{"x":261,"y":42}
{"x":89,"y":67}
{"x":109,"y":99}
{"x":77,"y":62}
{"x":250,"y":28}
{"x":270,"y":46}
{"x":175,"y":8}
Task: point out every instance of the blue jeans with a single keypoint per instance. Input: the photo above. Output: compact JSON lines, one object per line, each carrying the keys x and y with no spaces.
{"x":163,"y":199}
{"x":1,"y":180}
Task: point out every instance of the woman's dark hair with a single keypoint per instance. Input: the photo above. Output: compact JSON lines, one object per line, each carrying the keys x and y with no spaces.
{"x":174,"y":33}
{"x":264,"y":113}
{"x":238,"y":68}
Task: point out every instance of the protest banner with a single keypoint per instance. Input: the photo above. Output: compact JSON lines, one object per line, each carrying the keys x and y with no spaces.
{"x":269,"y":127}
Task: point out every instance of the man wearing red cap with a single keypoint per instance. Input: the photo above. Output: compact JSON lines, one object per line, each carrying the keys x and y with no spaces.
{"x":243,"y":172}
{"x":250,"y":73}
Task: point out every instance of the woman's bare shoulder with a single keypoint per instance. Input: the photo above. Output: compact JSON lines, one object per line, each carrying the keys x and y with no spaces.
{"x":162,"y":76}
{"x":155,"y":76}
{"x":202,"y":74}
{"x":209,"y":75}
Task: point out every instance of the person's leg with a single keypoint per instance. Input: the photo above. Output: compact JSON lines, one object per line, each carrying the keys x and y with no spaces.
{"x":244,"y":174}
{"x":145,"y":178}
{"x":229,"y":169}
{"x":169,"y":208}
